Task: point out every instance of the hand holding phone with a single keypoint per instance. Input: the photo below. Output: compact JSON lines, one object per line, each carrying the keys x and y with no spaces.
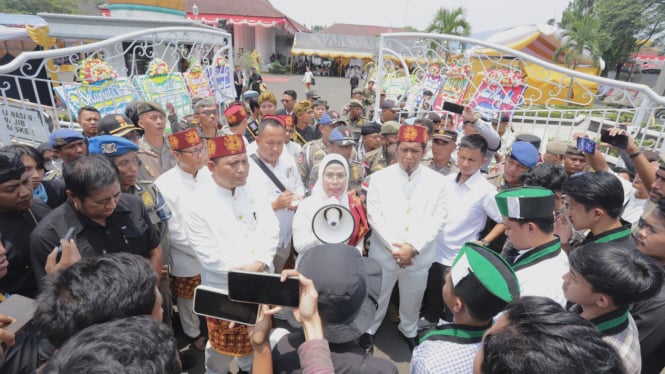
{"x":618,"y":140}
{"x":263,"y":288}
{"x":68,"y":236}
{"x":212,"y":302}
{"x":63,"y":256}
{"x":452,"y":107}
{"x":586,"y":145}
{"x":15,"y":312}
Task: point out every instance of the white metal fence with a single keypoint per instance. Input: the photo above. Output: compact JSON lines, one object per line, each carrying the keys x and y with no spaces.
{"x":42,"y":90}
{"x":542,"y":97}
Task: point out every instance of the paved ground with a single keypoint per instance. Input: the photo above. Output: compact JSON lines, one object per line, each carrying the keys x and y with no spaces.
{"x":336,"y":90}
{"x":389,"y":343}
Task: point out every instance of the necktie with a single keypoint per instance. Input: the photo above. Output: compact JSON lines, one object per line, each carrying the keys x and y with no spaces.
{"x":511,"y":255}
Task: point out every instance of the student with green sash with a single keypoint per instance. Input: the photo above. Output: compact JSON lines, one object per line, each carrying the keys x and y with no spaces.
{"x":478,"y":285}
{"x":594,"y":201}
{"x":604,"y":279}
{"x":534,"y":252}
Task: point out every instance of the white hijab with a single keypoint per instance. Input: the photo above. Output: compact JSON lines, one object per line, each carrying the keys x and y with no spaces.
{"x":318,"y":191}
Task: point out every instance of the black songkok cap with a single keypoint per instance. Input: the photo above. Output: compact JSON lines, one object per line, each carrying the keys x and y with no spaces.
{"x":11,"y":167}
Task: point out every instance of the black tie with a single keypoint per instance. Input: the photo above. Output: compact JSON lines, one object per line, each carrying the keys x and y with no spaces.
{"x":511,"y":255}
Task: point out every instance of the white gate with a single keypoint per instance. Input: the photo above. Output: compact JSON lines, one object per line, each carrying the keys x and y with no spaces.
{"x":42,"y":90}
{"x":541,"y":97}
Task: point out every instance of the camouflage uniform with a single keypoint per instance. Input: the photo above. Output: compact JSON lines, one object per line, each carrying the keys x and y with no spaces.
{"x":154,"y":161}
{"x":309,"y":157}
{"x":375,"y":160}
{"x":355,"y":125}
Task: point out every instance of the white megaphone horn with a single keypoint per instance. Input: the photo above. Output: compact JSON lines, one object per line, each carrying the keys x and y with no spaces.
{"x":333,"y":224}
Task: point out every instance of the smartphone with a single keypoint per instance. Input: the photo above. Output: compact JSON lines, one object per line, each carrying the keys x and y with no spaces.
{"x":21,"y":308}
{"x":263,"y":288}
{"x":68,"y":235}
{"x":211,"y":302}
{"x":586,"y":145}
{"x":619,"y":141}
{"x":452,"y":107}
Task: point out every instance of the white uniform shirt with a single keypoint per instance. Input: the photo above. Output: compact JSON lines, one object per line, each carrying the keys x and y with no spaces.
{"x":406,"y":209}
{"x":286,"y":171}
{"x":544,"y":278}
{"x":228,"y":229}
{"x":175,"y":185}
{"x":469,"y":204}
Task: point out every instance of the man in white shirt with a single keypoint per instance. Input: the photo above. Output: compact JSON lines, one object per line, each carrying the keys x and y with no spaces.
{"x":230,"y":227}
{"x":471,"y":201}
{"x":406,"y":206}
{"x":175,"y":184}
{"x":278,"y":165}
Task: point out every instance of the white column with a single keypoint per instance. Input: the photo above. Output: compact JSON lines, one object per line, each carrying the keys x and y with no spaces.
{"x":265,"y":43}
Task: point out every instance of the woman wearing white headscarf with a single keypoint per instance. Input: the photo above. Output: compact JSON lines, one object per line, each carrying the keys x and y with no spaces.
{"x":330,"y":188}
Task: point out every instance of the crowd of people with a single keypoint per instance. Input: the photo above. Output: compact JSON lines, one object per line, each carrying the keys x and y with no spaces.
{"x":539,"y":258}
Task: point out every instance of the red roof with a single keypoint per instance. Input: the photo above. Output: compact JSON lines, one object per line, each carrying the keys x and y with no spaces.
{"x":249,"y":12}
{"x":256,"y":8}
{"x":360,"y":30}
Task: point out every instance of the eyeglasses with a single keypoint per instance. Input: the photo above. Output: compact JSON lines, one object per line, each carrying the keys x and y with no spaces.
{"x":197,"y":152}
{"x":209,"y":112}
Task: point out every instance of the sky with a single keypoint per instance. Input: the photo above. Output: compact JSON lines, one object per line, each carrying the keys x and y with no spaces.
{"x":483,"y":15}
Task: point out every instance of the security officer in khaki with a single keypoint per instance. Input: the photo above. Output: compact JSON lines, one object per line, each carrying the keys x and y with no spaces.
{"x":315,"y":150}
{"x":380,"y":158}
{"x":342,"y":143}
{"x":355,"y":118}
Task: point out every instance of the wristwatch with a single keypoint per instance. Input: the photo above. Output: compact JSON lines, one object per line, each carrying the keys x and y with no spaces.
{"x":484,"y":242}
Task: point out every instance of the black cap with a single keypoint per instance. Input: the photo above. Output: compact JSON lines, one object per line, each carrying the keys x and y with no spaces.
{"x":370,"y":128}
{"x":11,"y":167}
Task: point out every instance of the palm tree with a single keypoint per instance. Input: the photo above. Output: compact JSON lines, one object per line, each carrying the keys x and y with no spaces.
{"x":580,"y":42}
{"x":451,"y":22}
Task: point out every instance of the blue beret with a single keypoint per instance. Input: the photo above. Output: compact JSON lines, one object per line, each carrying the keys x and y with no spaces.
{"x":325,"y":119}
{"x":58,"y":138}
{"x":525,"y":153}
{"x":111,"y":146}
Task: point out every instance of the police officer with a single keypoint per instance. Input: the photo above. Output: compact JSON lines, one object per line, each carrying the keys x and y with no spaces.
{"x":314,"y":151}
{"x":380,"y":157}
{"x":355,"y":117}
{"x":342,"y":143}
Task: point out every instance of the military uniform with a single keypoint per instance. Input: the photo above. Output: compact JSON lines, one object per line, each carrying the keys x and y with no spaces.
{"x":154,"y":161}
{"x":355,"y":125}
{"x":448,"y":168}
{"x":375,"y":160}
{"x":309,"y":157}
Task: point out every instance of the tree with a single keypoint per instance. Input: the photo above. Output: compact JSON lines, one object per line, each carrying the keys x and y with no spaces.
{"x":623,"y":22}
{"x":38,"y":6}
{"x":317,"y":28}
{"x":579,"y":43}
{"x":451,"y":22}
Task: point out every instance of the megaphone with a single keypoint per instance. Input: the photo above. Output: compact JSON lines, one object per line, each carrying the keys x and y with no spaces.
{"x":333,"y":224}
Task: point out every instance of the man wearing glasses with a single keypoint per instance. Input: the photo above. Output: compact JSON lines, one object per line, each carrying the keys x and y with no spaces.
{"x":104,"y":219}
{"x":288,"y":101}
{"x":206,"y":113}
